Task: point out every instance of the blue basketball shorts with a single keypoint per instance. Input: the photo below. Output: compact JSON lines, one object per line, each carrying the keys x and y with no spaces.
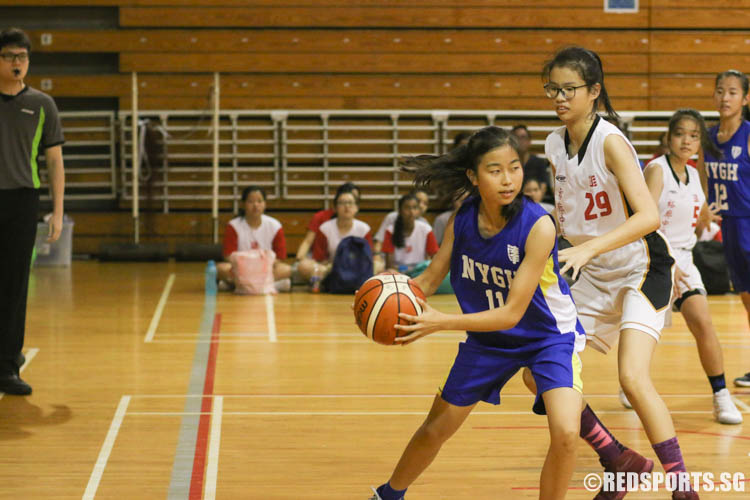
{"x":735,"y":233}
{"x":480,"y":371}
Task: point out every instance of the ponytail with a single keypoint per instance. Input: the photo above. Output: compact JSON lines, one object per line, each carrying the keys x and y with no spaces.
{"x":447,"y":173}
{"x":588,"y":65}
{"x":398,"y":225}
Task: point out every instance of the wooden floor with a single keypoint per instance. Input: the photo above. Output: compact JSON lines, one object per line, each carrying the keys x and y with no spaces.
{"x":299,"y":405}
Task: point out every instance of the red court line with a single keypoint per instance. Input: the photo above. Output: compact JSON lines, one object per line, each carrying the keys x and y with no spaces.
{"x":201,"y":444}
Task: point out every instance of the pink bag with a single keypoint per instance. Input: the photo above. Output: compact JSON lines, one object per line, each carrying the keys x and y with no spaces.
{"x":253,"y":272}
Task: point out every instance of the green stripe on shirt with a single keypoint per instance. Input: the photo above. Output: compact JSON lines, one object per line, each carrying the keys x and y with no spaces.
{"x":35,"y":149}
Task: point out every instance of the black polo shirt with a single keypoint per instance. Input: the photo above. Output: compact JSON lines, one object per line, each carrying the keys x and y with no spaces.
{"x":29,"y":124}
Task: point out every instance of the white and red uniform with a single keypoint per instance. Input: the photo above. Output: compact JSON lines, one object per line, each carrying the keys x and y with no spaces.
{"x":679,"y":206}
{"x":328,"y":237}
{"x":239,"y":236}
{"x":629,"y":287}
{"x":418,"y":246}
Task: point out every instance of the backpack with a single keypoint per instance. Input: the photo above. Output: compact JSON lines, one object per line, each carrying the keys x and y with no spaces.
{"x":708,"y":257}
{"x":253,"y":272}
{"x":444,"y":287}
{"x":352,"y":266}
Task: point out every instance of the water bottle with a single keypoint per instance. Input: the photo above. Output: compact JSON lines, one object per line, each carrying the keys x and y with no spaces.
{"x":211,"y":278}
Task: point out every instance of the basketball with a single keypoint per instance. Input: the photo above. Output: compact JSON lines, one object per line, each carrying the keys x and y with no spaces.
{"x":378,"y":303}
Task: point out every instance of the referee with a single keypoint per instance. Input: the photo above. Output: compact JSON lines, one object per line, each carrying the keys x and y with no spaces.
{"x":29,"y":126}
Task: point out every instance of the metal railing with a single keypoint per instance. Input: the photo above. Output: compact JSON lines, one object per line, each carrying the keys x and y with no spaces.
{"x":89,"y":154}
{"x":293,"y":154}
{"x":304,"y":155}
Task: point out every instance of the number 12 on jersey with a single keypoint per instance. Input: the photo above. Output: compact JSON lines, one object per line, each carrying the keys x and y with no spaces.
{"x":721,"y":196}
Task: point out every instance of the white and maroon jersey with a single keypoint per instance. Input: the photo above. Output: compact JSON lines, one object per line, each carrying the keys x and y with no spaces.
{"x":239,"y":236}
{"x":590,"y":203}
{"x":388,"y":221}
{"x":588,"y":198}
{"x":328,"y":237}
{"x":679,"y":204}
{"x":418,"y":246}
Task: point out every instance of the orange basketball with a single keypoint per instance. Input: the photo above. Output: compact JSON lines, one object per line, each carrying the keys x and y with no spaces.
{"x":379,"y":301}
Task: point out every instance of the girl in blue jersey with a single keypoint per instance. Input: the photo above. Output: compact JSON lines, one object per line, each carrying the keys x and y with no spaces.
{"x":728,"y":179}
{"x":500,"y":248}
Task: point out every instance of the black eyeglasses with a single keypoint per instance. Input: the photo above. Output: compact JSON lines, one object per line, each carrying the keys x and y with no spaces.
{"x":568,"y":91}
{"x":18,"y":56}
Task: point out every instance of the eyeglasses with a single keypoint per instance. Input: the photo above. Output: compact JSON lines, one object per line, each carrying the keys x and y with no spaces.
{"x":568,"y":92}
{"x":17,"y":56}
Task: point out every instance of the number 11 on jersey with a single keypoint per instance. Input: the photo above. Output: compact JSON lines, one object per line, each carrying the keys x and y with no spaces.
{"x":498,"y":295}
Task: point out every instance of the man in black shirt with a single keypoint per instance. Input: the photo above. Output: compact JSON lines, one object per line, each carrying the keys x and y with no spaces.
{"x":533,"y":166}
{"x":29,"y":126}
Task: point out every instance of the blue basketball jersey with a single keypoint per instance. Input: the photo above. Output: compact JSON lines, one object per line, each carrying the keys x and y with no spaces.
{"x":729,"y":176}
{"x":482,"y":272}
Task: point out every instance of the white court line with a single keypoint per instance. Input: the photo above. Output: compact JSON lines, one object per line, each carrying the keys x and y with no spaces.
{"x":354,"y":396}
{"x":321,"y":340}
{"x":740,"y":404}
{"x":29,"y":356}
{"x":270,"y":318}
{"x":212,"y":468}
{"x":363,"y":413}
{"x":109,"y":442}
{"x":300,"y":335}
{"x":159,"y":308}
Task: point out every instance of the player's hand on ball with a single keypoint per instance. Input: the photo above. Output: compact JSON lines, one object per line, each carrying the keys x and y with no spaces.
{"x":430,"y":321}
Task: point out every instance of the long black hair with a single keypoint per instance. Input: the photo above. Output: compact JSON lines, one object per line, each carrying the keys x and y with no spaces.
{"x":246,"y":192}
{"x":706,"y":143}
{"x":743,"y":81}
{"x":447,"y":173}
{"x":588,"y":65}
{"x":398,"y":225}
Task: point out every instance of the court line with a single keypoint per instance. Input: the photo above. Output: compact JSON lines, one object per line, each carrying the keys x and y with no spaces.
{"x":741,"y":404}
{"x":182,"y":468}
{"x":212,"y":468}
{"x":29,"y":356}
{"x":300,"y":335}
{"x":366,"y":413}
{"x":159,"y":309}
{"x":199,"y":458}
{"x":270,"y":318}
{"x":529,"y":395}
{"x":109,"y":442}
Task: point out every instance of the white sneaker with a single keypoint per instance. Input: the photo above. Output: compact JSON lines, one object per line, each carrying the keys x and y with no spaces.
{"x":284,"y":285}
{"x":375,"y":495}
{"x":624,"y":400}
{"x":725,"y":411}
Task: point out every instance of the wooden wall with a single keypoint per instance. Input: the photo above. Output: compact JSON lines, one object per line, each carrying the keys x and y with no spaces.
{"x":387,"y":54}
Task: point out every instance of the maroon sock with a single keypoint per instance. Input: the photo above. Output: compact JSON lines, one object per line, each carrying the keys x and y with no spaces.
{"x":670,"y":455}
{"x":599,"y":437}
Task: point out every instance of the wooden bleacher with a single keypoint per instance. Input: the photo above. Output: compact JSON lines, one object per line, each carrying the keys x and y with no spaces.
{"x":378,"y":54}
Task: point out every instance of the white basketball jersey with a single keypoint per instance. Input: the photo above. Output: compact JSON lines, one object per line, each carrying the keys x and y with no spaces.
{"x":261,"y":237}
{"x":679,"y":205}
{"x":332,"y":236}
{"x":588,"y":198}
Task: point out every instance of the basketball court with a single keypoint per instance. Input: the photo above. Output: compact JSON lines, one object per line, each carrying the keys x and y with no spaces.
{"x":146,"y":387}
